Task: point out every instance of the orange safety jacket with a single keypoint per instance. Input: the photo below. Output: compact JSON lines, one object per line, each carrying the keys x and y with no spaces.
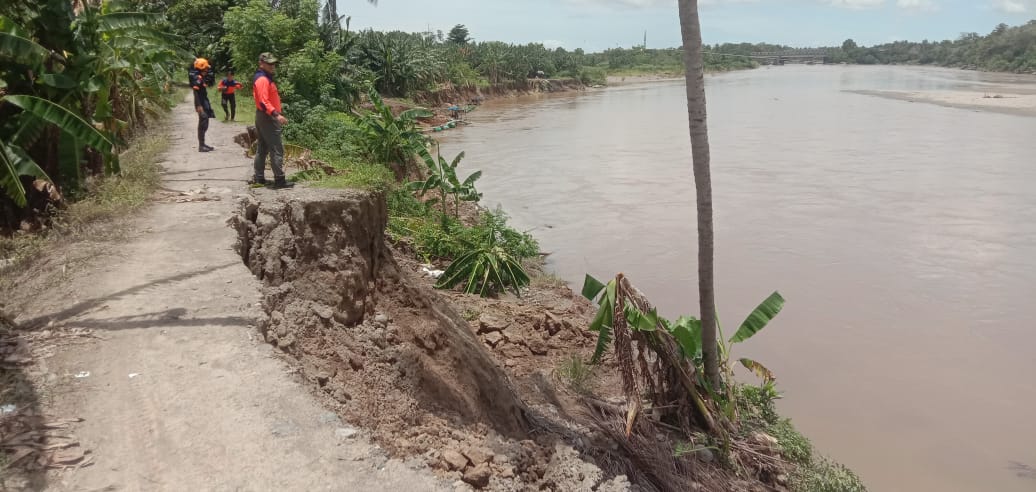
{"x":228,"y":86}
{"x":264,"y":90}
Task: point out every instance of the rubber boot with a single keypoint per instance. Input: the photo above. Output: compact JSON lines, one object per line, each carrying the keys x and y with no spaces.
{"x":281,"y":183}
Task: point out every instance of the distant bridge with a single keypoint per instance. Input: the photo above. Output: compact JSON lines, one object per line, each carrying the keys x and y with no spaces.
{"x":791,"y":56}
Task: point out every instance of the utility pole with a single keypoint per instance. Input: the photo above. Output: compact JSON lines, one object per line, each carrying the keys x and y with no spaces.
{"x":645,"y":40}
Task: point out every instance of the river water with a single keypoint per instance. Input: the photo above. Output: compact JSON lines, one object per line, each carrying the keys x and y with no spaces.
{"x":902,"y":234}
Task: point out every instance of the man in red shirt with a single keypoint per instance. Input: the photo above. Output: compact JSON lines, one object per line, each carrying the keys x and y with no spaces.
{"x":268,"y":121}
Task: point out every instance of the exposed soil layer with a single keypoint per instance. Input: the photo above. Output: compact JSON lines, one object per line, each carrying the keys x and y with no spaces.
{"x":480,"y":389}
{"x":398,"y":359}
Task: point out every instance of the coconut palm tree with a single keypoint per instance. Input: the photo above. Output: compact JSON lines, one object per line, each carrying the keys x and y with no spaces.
{"x":690,"y":29}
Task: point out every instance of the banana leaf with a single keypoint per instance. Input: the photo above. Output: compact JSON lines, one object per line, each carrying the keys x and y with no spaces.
{"x":15,"y":163}
{"x":759,"y":370}
{"x":687,"y":332}
{"x":21,"y":50}
{"x":759,"y":317}
{"x":69,"y":123}
{"x":127,"y":20}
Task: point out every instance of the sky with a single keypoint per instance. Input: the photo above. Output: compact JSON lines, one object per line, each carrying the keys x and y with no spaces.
{"x":594,"y":25}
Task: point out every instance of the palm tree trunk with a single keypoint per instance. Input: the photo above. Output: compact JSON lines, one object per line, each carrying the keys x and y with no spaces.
{"x":690,"y":28}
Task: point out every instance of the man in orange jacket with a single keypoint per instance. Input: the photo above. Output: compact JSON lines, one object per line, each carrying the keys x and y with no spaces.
{"x":268,"y":121}
{"x":227,"y":86}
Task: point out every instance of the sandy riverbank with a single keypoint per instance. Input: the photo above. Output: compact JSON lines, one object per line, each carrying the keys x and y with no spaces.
{"x":1000,"y":101}
{"x":638,"y":79}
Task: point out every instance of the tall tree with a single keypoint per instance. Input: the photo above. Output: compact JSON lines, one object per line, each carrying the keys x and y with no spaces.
{"x":459,"y":35}
{"x":690,"y":29}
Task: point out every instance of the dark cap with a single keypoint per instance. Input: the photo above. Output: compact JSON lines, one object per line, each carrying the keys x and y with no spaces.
{"x":267,"y":58}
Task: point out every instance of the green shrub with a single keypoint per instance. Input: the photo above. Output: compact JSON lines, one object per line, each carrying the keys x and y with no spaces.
{"x":493,"y":229}
{"x":756,"y":404}
{"x":824,"y":475}
{"x":485,"y":270}
{"x":593,"y":76}
{"x":329,"y":134}
{"x":794,"y":446}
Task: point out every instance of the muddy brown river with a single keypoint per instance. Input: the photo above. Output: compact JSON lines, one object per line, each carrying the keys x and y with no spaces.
{"x":901,"y":233}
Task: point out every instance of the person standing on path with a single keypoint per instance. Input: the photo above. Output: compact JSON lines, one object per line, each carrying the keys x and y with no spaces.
{"x":227,"y":86}
{"x":200,"y":79}
{"x":268,"y":121}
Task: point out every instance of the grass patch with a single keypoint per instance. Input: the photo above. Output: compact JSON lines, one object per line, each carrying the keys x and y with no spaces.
{"x":577,"y":374}
{"x":824,"y":475}
{"x":540,"y":277}
{"x":18,"y":247}
{"x":813,"y":473}
{"x":113,"y":196}
{"x":471,"y":314}
{"x":245,"y":106}
{"x":104,"y":199}
{"x":357,"y":175}
{"x":674,"y":70}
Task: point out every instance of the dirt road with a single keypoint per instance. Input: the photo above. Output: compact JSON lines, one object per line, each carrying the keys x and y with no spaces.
{"x":182,"y":394}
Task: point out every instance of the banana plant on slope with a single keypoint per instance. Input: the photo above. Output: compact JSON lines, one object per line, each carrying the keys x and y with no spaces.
{"x":686,"y":329}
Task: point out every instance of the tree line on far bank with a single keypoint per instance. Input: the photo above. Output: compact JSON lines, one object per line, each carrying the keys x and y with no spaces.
{"x":1005,"y":49}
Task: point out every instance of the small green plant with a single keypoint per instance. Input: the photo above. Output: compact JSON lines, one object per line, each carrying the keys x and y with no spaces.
{"x":577,"y":373}
{"x":442,"y":177}
{"x":757,"y":404}
{"x":493,"y":261}
{"x":485,"y":270}
{"x":471,"y":314}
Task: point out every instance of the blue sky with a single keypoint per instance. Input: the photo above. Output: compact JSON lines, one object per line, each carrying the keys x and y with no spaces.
{"x":597,"y":24}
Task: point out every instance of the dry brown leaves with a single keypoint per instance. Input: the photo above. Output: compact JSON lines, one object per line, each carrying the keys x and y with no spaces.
{"x":46,"y":342}
{"x":30,"y":440}
{"x":33,"y":442}
{"x":202,"y":194}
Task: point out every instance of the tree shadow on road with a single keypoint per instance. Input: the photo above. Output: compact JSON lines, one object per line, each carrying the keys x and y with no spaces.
{"x":86,"y":306}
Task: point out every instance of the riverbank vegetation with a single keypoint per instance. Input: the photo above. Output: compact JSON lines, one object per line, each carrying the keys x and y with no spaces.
{"x":1004,"y":49}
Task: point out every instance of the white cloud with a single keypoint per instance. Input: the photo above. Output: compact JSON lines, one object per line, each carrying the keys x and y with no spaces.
{"x":1015,"y":6}
{"x":918,"y":5}
{"x":856,"y":4}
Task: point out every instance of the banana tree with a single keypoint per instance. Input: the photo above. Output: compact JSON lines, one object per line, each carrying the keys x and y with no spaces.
{"x":78,"y":80}
{"x":675,"y":382}
{"x":391,"y":139}
{"x":442,"y":177}
{"x":15,"y":161}
{"x":687,"y":330}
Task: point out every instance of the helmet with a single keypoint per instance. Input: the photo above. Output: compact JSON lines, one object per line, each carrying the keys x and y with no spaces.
{"x":201,"y":64}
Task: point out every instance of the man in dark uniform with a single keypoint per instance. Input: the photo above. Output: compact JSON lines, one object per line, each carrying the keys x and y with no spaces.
{"x":200,"y":78}
{"x":227,"y":86}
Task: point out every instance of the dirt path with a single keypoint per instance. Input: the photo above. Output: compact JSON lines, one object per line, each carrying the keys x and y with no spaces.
{"x":182,"y":393}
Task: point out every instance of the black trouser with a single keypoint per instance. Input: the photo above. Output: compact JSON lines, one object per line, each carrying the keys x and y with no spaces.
{"x":270,"y":144}
{"x":203,"y":126}
{"x":203,"y":118}
{"x":232,"y":99}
